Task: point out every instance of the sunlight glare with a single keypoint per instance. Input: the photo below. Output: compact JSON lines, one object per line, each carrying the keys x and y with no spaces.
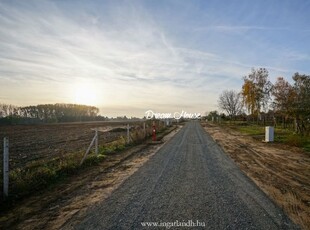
{"x":85,"y":94}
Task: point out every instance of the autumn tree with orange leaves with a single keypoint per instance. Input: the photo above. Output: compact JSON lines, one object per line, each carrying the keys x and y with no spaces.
{"x":256,"y":91}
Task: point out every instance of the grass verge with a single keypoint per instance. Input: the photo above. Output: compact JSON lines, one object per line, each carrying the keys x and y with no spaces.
{"x":281,"y":135}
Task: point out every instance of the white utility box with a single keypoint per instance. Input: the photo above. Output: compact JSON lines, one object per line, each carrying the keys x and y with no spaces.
{"x":269,"y":134}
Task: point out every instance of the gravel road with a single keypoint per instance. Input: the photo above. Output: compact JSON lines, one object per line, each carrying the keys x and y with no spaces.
{"x":189,"y":181}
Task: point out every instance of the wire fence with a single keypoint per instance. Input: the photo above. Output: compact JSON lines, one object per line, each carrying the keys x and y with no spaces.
{"x":38,"y":150}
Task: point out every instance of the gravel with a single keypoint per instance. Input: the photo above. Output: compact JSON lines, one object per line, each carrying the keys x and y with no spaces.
{"x":189,"y":179}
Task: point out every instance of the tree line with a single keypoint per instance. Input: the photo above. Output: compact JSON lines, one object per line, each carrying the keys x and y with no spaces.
{"x":47,"y":113}
{"x":259,"y":99}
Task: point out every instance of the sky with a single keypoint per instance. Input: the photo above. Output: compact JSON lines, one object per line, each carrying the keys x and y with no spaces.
{"x":127,"y":57}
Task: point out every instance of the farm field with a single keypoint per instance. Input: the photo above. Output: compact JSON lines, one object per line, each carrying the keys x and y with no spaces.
{"x":67,"y":201}
{"x":39,"y":142}
{"x":45,"y":148}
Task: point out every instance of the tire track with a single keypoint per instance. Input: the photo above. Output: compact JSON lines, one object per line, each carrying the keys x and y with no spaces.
{"x":283,"y":174}
{"x":190,"y":178}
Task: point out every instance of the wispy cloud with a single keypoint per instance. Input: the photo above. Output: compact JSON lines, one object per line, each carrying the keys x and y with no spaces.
{"x":125,"y":51}
{"x":236,"y":28}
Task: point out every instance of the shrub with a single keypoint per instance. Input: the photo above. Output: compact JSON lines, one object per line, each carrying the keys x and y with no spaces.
{"x":296,"y":140}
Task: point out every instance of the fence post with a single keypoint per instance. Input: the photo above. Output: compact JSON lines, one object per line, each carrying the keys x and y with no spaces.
{"x":89,"y":147}
{"x":128,"y":140}
{"x":96,"y":141}
{"x":5,"y":167}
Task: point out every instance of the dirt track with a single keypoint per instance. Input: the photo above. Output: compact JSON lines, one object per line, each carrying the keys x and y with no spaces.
{"x":189,"y":179}
{"x":282,"y":172}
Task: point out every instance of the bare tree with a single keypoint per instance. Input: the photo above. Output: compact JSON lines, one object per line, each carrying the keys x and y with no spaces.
{"x":230,"y":102}
{"x":8,"y":110}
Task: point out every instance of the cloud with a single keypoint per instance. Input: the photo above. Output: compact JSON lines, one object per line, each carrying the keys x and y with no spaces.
{"x":236,"y":28}
{"x":296,"y":56}
{"x":56,"y":45}
{"x":125,"y":51}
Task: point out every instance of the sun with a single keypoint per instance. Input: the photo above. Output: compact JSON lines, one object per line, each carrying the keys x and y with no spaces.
{"x":85,"y":94}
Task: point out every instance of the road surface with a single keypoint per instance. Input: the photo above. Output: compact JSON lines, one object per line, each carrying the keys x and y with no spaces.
{"x":190,"y":181}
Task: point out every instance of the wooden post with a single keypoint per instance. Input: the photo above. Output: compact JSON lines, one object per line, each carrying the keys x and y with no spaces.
{"x":89,"y":147}
{"x":5,"y":167}
{"x":128,"y":137}
{"x":96,"y":142}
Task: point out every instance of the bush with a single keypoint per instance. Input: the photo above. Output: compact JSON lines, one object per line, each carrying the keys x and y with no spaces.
{"x":296,"y":140}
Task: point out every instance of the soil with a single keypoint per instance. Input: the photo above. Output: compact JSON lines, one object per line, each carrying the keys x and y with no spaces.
{"x":43,"y":142}
{"x":67,"y":201}
{"x":282,"y":172}
{"x":190,"y":179}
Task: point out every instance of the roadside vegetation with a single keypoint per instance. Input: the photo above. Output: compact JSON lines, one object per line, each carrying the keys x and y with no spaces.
{"x":261,"y":103}
{"x":281,"y":135}
{"x":39,"y":174}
